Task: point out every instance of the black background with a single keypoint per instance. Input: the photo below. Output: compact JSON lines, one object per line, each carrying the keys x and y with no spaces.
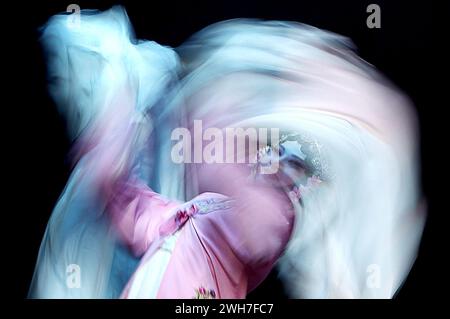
{"x":401,"y":49}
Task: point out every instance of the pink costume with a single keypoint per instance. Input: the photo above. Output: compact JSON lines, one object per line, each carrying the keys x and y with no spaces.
{"x":221,"y":247}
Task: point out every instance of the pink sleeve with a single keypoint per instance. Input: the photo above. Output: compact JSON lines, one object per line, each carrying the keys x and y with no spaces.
{"x":108,"y":149}
{"x":137,"y":213}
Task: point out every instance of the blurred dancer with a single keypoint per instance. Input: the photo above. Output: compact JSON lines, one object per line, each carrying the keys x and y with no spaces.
{"x":138,"y":225}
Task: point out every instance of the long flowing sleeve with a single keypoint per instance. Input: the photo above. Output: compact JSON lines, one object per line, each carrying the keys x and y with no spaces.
{"x":357,"y":234}
{"x":103,"y":81}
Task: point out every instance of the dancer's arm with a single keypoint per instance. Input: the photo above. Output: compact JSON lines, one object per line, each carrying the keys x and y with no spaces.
{"x":108,"y":150}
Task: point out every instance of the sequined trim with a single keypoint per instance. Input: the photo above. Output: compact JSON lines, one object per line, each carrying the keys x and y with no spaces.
{"x":206,"y":206}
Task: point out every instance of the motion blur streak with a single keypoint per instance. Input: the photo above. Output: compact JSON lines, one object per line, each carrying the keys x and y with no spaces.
{"x":355,"y":235}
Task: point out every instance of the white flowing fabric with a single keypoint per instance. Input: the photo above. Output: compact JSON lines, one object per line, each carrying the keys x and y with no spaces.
{"x":88,"y":65}
{"x":356,"y":235}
